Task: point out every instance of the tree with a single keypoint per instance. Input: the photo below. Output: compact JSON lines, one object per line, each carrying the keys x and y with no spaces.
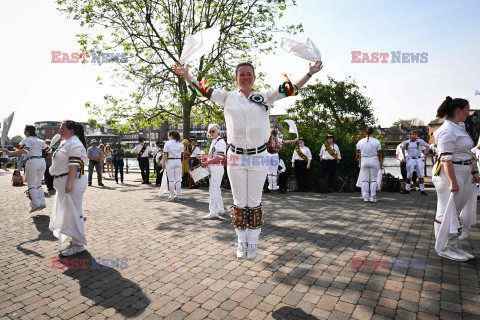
{"x":16,"y":140}
{"x":338,"y":108}
{"x":408,"y":123}
{"x":153,"y":32}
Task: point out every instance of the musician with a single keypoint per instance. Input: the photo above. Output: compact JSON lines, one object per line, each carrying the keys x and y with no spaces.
{"x":414,"y":159}
{"x":195,"y":152}
{"x":172,"y":162}
{"x":282,"y":176}
{"x":187,"y":181}
{"x":214,"y":163}
{"x":329,"y":159}
{"x":274,"y":145}
{"x":142,"y":151}
{"x":157,"y":161}
{"x":248,"y":130}
{"x":301,"y":158}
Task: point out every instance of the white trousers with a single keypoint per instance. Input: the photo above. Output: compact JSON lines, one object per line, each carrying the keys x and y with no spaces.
{"x":274,"y":162}
{"x":368,"y":175}
{"x":174,"y":173}
{"x":442,"y":185}
{"x":79,"y":186}
{"x":216,"y":201}
{"x":35,"y":169}
{"x":247,"y":175}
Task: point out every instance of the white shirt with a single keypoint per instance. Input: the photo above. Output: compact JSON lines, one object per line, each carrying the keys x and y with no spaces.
{"x":414,"y":148}
{"x":158,"y":154}
{"x":326,"y":156}
{"x":305,"y":151}
{"x":71,"y":152}
{"x":399,"y":153}
{"x":33,"y":146}
{"x":218,"y":147}
{"x":173,"y":149}
{"x":248,"y":123}
{"x":139,"y":147}
{"x":369,"y":147}
{"x":452,"y":138}
{"x":195,"y":152}
{"x":282,"y":164}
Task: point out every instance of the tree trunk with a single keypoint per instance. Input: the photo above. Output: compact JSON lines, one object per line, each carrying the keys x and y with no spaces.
{"x":187,"y":110}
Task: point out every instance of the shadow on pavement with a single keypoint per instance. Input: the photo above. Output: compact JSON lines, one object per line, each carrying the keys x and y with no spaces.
{"x":41,"y":223}
{"x":291,"y":313}
{"x":105,"y":285}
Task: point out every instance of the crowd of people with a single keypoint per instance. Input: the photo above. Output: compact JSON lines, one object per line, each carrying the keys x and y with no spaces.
{"x":250,"y":157}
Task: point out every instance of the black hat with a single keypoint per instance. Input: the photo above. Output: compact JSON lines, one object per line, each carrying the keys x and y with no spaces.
{"x":302,"y":139}
{"x":329,"y":135}
{"x":141,"y":139}
{"x":193,"y":138}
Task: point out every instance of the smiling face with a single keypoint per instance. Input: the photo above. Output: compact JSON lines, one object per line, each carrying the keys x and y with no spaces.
{"x":245,"y":78}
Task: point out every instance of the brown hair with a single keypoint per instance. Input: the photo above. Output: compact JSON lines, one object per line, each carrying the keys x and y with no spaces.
{"x":175,"y":135}
{"x":77,"y":130}
{"x":244,"y":64}
{"x":368,"y":132}
{"x":31,"y":130}
{"x":449,"y":105}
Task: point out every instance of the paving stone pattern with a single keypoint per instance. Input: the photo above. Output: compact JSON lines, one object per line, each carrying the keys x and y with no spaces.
{"x":181,"y":267}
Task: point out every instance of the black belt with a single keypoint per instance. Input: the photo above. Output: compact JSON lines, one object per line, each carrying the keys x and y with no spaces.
{"x":415,"y":157}
{"x":174,"y":158}
{"x":33,"y":157}
{"x":464,"y":162}
{"x":63,"y":174}
{"x":248,"y":151}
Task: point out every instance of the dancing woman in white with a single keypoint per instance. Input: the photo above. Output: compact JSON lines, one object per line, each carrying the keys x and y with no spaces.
{"x":68,"y":166}
{"x":370,"y":161}
{"x":172,"y":156}
{"x":31,"y":147}
{"x":248,"y":130}
{"x":454,"y":172}
{"x":214,"y":162}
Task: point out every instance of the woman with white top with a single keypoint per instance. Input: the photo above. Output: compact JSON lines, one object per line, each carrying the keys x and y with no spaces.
{"x":172,"y":162}
{"x":301,"y":158}
{"x":31,"y":147}
{"x":370,"y":161}
{"x":109,"y":160}
{"x":248,"y":130}
{"x":454,"y":172}
{"x":214,"y":163}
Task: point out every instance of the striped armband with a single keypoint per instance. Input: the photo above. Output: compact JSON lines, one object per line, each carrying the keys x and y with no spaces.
{"x":202,"y":90}
{"x":288,"y":88}
{"x":79,"y":162}
{"x":165,"y":154}
{"x":221,"y":155}
{"x":24,"y":148}
{"x":47,"y":149}
{"x":439,"y":163}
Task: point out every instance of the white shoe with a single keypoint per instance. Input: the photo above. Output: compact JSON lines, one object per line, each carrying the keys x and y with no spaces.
{"x":464,"y":253}
{"x":242,"y":250}
{"x":210,"y":217}
{"x":373,"y":199}
{"x":74,"y":249}
{"x":252,"y":251}
{"x":365,"y":199}
{"x":33,"y":209}
{"x":452,"y":255}
{"x":170,"y":198}
{"x":67,"y":247}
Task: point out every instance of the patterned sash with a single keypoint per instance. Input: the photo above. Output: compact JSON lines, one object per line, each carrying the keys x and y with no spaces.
{"x":300,"y":153}
{"x":330,"y":151}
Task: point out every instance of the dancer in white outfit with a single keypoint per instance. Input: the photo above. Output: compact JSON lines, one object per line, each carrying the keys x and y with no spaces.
{"x":248,"y":130}
{"x":32,"y":148}
{"x":414,"y":160}
{"x":68,"y":168}
{"x":454,"y":172}
{"x":214,"y":162}
{"x":172,"y":156}
{"x":370,"y":161}
{"x":274,"y":145}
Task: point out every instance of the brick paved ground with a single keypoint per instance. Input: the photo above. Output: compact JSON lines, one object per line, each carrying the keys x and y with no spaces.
{"x":180,"y":267}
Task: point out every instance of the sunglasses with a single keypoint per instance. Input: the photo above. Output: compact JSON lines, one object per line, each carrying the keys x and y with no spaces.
{"x":212,"y":131}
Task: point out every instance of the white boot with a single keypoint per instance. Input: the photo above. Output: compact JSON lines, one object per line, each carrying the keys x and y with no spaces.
{"x":242,"y":243}
{"x":252,"y":240}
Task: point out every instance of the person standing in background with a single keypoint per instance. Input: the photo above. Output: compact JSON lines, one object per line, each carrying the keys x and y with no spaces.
{"x":48,"y":162}
{"x":329,"y":160}
{"x":157,"y":161}
{"x":301,"y":159}
{"x":94,"y":155}
{"x":108,"y":160}
{"x":117,"y":158}
{"x":142,"y":151}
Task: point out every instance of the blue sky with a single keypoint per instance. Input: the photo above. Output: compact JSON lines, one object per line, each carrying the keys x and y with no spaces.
{"x":449,"y":31}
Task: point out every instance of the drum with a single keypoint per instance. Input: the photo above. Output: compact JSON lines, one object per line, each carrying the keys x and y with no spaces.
{"x":199,"y":174}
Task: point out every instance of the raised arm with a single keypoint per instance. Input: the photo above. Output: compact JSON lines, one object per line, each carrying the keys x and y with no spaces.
{"x":183,"y":71}
{"x":311,"y":71}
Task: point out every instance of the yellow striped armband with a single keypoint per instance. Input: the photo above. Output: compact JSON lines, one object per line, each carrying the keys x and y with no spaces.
{"x":202,"y":90}
{"x":47,"y":149}
{"x":221,"y":154}
{"x":288,"y":88}
{"x":439,"y":163}
{"x":77,"y":161}
{"x":24,"y":148}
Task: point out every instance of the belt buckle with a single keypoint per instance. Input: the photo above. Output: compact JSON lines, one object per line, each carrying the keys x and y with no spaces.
{"x":245,"y":152}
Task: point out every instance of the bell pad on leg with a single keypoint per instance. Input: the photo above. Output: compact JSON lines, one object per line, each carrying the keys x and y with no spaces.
{"x":239,"y":217}
{"x":255,"y":218}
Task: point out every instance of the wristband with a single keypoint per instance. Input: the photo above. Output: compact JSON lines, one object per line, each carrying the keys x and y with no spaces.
{"x":308,"y":74}
{"x":474,"y":172}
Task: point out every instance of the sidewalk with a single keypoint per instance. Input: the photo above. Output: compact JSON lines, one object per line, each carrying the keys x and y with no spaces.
{"x":174,"y":265}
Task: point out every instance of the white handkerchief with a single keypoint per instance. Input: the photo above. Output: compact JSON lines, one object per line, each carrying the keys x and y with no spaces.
{"x":307,"y":51}
{"x":199,"y":44}
{"x":7,"y":122}
{"x":55,"y":139}
{"x":292,"y":127}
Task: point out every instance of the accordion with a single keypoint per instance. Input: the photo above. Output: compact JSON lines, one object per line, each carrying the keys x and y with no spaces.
{"x":273,"y":145}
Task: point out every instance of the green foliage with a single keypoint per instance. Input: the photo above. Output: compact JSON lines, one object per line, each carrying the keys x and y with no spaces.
{"x":16,"y":140}
{"x":407,"y":123}
{"x":338,"y":108}
{"x":152,"y":33}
